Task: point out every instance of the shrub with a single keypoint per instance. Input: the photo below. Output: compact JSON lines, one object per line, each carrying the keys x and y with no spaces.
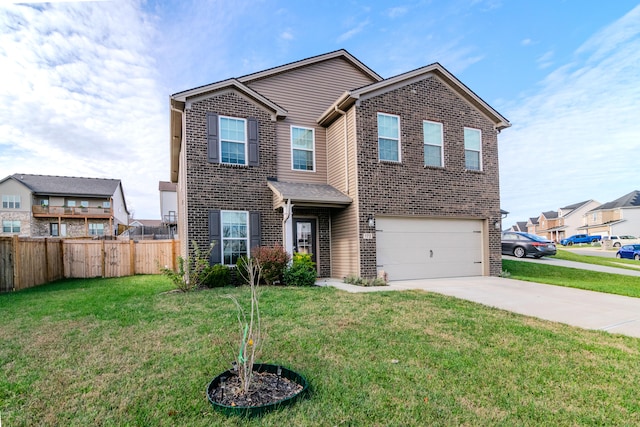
{"x":217,"y":276}
{"x":360,"y":281}
{"x":272,"y":260}
{"x":192,"y":271}
{"x":302,"y":271}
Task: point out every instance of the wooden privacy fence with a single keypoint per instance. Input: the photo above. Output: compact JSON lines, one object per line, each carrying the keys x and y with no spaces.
{"x":27,"y":262}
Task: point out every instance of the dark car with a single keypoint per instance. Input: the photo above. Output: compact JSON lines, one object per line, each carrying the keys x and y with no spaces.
{"x":522,"y":244}
{"x":629,"y":251}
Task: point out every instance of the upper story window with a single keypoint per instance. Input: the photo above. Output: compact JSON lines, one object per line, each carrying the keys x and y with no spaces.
{"x":233,"y":140}
{"x":106,"y":205}
{"x":84,"y":204}
{"x":302,"y":148}
{"x":472,"y":149}
{"x":71,"y":203}
{"x":388,"y":138}
{"x":433,"y":152}
{"x":10,"y":202}
{"x":235,"y":235}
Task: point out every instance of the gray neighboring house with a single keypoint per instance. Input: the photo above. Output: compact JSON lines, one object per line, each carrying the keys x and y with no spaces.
{"x":618,"y":217}
{"x":45,"y":206}
{"x":371,"y":176}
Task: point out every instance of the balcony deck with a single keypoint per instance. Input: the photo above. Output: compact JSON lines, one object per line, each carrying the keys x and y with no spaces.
{"x":78,"y":212}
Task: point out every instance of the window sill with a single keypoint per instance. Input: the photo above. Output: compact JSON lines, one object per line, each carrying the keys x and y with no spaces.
{"x":474,"y":171}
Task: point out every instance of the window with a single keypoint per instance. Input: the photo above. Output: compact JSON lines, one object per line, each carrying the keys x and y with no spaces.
{"x":55,"y":231}
{"x":235,"y":236}
{"x":10,"y":226}
{"x":433,"y":153}
{"x":84,"y":204}
{"x":96,"y":229}
{"x":106,"y":205}
{"x":472,"y":149}
{"x":71,"y":203}
{"x":302,"y":148}
{"x":233,"y":142}
{"x":388,"y":138}
{"x":10,"y":202}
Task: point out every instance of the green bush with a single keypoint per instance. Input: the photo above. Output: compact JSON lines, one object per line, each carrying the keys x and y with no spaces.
{"x":217,"y":276}
{"x":302,"y":271}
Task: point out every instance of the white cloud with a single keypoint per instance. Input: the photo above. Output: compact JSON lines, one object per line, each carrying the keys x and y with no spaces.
{"x":578,"y":138}
{"x":80,"y":98}
{"x":352,"y":32}
{"x":396,"y":12}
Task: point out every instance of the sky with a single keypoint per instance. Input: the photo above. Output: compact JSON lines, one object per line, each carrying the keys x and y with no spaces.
{"x":85,"y":85}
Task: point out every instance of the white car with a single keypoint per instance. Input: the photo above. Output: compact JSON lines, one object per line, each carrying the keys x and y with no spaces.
{"x":617,"y":241}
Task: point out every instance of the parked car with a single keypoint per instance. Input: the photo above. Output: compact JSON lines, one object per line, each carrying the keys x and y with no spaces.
{"x":580,"y":238}
{"x":629,"y":252}
{"x":617,"y":241}
{"x":521,"y":244}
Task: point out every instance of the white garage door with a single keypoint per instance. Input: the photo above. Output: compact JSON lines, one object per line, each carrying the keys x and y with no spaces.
{"x":418,"y":248}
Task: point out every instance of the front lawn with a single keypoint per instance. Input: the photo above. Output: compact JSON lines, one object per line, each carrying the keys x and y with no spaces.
{"x":567,"y":255}
{"x":573,"y":278}
{"x":113,"y":352}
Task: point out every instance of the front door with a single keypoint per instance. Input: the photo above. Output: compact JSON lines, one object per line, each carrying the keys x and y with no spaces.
{"x":304,"y":236}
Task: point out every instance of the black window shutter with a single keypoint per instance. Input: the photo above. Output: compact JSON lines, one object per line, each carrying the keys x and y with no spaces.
{"x":254,"y":226}
{"x":252,"y":125}
{"x":212,"y":138}
{"x":215,"y":236}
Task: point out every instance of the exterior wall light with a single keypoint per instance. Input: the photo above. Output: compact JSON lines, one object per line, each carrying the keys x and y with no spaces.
{"x":372,"y":221}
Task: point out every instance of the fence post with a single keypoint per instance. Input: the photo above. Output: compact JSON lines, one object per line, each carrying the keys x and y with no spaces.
{"x":16,"y":263}
{"x":132,"y":257}
{"x":103,"y":256}
{"x":46,"y":260}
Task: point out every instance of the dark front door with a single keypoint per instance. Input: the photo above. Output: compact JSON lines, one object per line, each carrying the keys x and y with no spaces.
{"x":304,"y":236}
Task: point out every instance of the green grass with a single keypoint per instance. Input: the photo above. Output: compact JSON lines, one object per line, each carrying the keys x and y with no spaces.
{"x":575,"y":278}
{"x":598,"y":260}
{"x":113,"y":352}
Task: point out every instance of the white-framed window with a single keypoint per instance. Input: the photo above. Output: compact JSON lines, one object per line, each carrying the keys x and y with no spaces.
{"x":10,"y":226}
{"x":433,"y":150}
{"x":10,"y":202}
{"x":302,"y":148}
{"x":388,"y":138}
{"x":96,"y":229}
{"x":235,"y":235}
{"x":472,"y":149}
{"x":84,"y":204}
{"x":106,"y":205}
{"x":233,"y":140}
{"x":71,"y":203}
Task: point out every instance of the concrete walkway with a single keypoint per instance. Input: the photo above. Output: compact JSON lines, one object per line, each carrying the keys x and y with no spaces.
{"x":576,"y":307}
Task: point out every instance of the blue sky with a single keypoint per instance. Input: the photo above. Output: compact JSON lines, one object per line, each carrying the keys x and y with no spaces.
{"x":85,"y":85}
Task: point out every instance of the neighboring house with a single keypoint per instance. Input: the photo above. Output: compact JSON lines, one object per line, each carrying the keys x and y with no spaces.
{"x":520,"y":226}
{"x":533,"y":226}
{"x":573,"y":217}
{"x":549,"y":225}
{"x":323,"y":156}
{"x":619,"y":217}
{"x":169,"y":205}
{"x":42,"y":205}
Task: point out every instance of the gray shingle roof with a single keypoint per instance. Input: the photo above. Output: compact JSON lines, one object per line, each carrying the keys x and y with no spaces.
{"x":309,"y":193}
{"x":66,"y":185}
{"x":627,"y":201}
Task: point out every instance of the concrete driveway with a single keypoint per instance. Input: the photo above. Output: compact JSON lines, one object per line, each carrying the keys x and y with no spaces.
{"x":576,"y":307}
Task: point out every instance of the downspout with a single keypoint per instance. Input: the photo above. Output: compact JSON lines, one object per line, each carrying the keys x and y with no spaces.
{"x":287,"y":211}
{"x":346,"y":146}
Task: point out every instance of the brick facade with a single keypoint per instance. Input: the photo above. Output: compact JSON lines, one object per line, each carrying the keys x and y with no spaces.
{"x":411,"y":189}
{"x":229,"y":187}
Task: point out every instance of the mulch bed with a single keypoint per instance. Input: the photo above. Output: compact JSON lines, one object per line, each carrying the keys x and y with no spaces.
{"x":266,"y":388}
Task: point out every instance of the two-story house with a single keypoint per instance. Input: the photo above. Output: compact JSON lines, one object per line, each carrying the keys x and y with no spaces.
{"x":618,"y":217}
{"x":324,"y":156}
{"x":43,"y":205}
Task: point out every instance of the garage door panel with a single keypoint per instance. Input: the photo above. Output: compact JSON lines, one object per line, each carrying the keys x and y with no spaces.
{"x":413,"y":248}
